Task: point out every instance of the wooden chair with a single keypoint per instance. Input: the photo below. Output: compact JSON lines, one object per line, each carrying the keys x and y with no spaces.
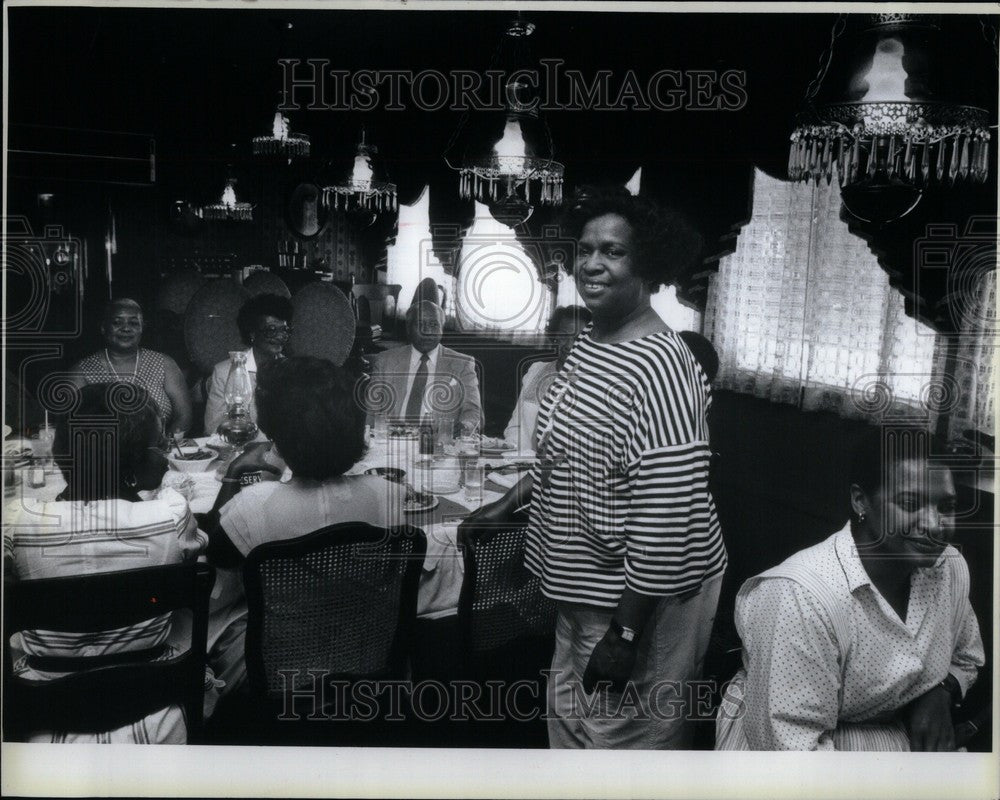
{"x":333,"y":607}
{"x":103,"y":693}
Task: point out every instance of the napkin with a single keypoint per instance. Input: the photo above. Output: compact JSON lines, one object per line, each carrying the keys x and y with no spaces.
{"x":199,"y":488}
{"x":508,"y":478}
{"x":470,"y":504}
{"x":443,"y":572}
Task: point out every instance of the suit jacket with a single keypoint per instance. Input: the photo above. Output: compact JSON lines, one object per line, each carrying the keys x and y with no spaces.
{"x":452,"y":392}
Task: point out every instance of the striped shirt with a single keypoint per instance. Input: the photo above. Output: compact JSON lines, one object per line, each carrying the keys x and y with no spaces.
{"x":627,"y":504}
{"x":65,"y":538}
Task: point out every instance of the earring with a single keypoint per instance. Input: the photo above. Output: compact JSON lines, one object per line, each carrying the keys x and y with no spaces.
{"x":251,"y":339}
{"x":861,"y":518}
{"x":130,"y":480}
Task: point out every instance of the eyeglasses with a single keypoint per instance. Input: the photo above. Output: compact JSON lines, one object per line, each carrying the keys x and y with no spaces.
{"x":276,"y":330}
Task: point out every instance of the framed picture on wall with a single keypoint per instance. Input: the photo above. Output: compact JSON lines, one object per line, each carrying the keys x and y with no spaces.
{"x":305,"y":213}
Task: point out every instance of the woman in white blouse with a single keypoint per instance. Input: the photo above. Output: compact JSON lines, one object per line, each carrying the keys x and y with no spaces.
{"x":564,"y":326}
{"x":866,"y":640}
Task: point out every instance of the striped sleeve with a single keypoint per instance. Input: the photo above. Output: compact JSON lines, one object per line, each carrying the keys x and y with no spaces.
{"x":671,"y":530}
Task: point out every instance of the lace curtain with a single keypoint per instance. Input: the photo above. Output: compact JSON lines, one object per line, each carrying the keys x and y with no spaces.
{"x":802,"y":313}
{"x":969,"y":398}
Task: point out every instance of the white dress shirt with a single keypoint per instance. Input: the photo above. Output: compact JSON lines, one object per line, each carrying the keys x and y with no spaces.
{"x":432,"y":358}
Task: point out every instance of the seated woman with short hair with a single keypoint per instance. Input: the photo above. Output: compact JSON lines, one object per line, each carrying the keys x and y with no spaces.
{"x":308,"y":408}
{"x":865,"y":640}
{"x":265,"y":324}
{"x":101,"y":523}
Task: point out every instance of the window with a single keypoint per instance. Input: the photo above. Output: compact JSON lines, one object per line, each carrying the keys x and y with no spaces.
{"x":971,"y":398}
{"x":497,"y":287}
{"x":802,"y":313}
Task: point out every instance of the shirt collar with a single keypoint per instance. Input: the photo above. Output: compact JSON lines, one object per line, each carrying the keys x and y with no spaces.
{"x":432,"y":358}
{"x":854,"y":570}
{"x":251,"y":361}
{"x":847,"y":553}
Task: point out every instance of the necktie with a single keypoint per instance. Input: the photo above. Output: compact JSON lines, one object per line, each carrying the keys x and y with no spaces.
{"x":416,"y":400}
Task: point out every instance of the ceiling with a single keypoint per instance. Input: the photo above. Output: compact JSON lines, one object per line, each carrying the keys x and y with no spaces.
{"x":203,"y":82}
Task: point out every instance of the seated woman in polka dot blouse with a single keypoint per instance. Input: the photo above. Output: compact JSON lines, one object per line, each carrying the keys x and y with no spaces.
{"x":867,"y":639}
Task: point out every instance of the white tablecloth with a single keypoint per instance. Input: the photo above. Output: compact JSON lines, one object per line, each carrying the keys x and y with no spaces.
{"x":443,"y":571}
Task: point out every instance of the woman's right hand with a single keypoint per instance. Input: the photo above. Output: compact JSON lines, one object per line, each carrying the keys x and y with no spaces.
{"x":252,"y":460}
{"x":485,"y":522}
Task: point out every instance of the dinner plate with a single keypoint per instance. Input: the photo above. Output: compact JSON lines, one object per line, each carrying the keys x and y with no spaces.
{"x":496,"y":447}
{"x":428,"y":505}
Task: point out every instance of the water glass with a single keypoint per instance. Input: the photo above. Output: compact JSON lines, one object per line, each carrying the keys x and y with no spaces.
{"x":444,"y":434}
{"x":41,"y":447}
{"x":472,"y":477}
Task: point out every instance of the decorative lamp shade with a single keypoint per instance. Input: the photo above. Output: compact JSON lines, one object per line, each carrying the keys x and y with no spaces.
{"x":515,"y":168}
{"x":893,"y":112}
{"x":210,"y":329}
{"x":322,"y":323}
{"x":366,"y":189}
{"x":228,"y":207}
{"x":507,"y":159}
{"x":282,"y":142}
{"x":266,"y":283}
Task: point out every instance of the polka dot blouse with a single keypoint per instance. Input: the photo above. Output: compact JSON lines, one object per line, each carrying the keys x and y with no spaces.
{"x":828,"y":662}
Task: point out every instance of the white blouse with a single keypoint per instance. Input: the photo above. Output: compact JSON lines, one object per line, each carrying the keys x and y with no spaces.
{"x":827,"y":662}
{"x":520,"y":430}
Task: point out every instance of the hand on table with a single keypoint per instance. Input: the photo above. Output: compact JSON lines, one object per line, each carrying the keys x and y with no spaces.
{"x":612,"y":661}
{"x":928,"y":721}
{"x":252,"y":459}
{"x":484,"y":523}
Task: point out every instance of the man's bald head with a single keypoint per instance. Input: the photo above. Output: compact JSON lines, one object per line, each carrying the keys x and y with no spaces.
{"x":424,"y":325}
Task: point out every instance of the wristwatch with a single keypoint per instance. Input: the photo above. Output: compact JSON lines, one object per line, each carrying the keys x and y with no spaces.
{"x":628,"y":635}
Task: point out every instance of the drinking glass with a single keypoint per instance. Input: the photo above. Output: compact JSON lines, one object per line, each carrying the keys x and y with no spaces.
{"x":41,"y":447}
{"x":472,"y":477}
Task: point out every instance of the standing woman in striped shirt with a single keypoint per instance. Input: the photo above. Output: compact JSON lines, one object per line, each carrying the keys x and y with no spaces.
{"x":623,"y":531}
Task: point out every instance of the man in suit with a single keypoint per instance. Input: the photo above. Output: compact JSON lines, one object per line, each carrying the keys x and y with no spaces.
{"x":423,"y":380}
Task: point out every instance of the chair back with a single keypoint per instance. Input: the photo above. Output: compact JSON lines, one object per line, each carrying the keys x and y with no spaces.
{"x":339,"y":602}
{"x":501,"y":599}
{"x":107,"y":696}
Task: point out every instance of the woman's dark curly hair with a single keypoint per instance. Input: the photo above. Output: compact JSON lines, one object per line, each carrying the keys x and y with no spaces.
{"x":262,"y":305}
{"x":307,"y":406}
{"x":122,"y":410}
{"x":666,"y":244}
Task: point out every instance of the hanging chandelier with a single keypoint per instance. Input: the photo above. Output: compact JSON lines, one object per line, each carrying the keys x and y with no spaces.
{"x":364,"y":190}
{"x":282,"y":142}
{"x":889,"y":115}
{"x":512,"y":169}
{"x":228,"y":207}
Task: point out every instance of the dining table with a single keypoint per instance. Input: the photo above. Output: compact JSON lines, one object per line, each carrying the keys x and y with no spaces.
{"x":444,"y":566}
